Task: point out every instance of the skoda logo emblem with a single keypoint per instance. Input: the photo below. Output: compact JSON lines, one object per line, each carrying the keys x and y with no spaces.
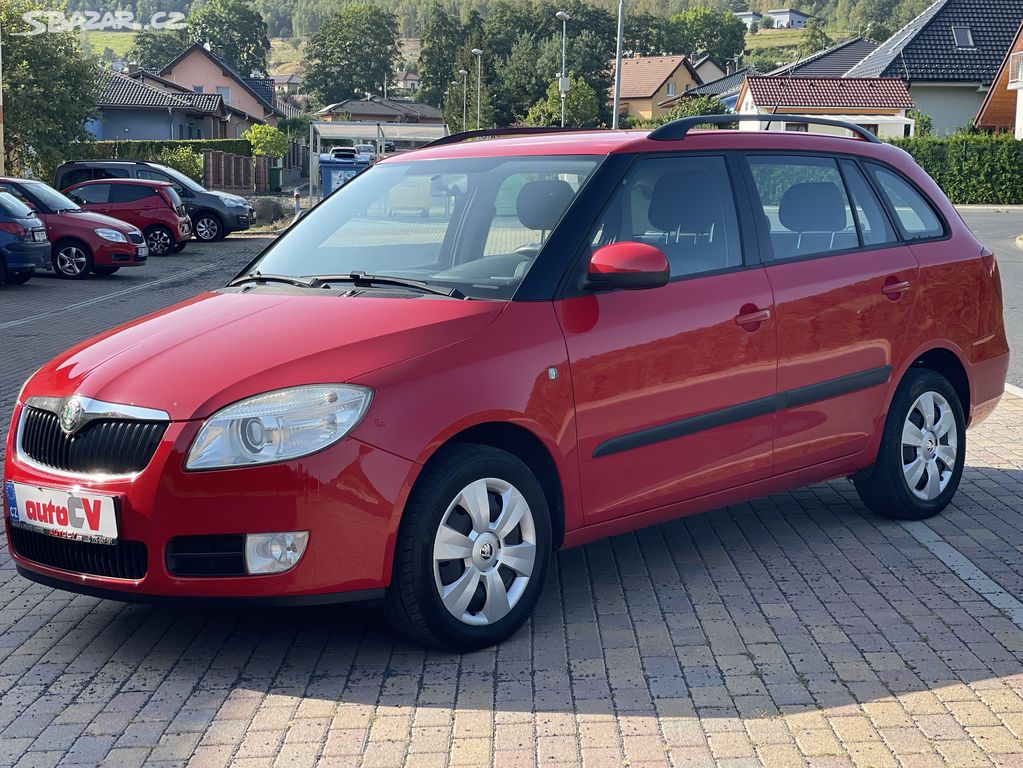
{"x":71,"y":415}
{"x":487,"y":551}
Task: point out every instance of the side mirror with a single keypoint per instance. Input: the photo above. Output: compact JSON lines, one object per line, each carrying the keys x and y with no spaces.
{"x":629,"y":265}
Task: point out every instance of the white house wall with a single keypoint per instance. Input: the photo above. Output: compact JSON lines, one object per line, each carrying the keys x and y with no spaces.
{"x":950,"y":107}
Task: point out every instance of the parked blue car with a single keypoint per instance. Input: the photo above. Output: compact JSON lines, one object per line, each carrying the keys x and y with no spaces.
{"x":24,"y":247}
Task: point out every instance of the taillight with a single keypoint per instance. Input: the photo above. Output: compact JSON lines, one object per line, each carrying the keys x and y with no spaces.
{"x":13,"y":227}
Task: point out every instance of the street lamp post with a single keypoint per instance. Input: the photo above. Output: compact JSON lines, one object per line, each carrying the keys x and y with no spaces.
{"x":3,"y":170}
{"x":465,"y":93}
{"x":563,"y":74}
{"x":478,"y":53}
{"x":618,"y":64}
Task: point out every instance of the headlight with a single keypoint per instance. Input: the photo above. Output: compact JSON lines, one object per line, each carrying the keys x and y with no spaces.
{"x":22,"y":390}
{"x":231,"y":202}
{"x":278,"y":426}
{"x":112,"y":235}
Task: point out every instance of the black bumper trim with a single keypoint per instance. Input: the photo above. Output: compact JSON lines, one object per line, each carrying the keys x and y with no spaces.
{"x":270,"y":601}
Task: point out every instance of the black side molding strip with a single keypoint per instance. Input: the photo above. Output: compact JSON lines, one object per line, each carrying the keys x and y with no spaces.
{"x":791,"y":398}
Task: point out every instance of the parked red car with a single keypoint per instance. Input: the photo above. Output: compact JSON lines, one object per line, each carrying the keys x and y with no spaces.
{"x":83,"y":242}
{"x":152,"y":206}
{"x":587,"y":333}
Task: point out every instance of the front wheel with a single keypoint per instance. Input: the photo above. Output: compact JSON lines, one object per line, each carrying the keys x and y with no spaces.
{"x":472,"y":551}
{"x":207,"y":227}
{"x":922,"y":453}
{"x":71,"y":260}
{"x":104,"y":271}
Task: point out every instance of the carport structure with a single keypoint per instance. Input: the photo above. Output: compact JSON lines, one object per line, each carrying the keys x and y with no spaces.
{"x":324,"y":135}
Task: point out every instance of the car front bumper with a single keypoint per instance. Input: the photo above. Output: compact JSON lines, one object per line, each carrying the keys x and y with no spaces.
{"x":117,"y":255}
{"x":346,"y":497}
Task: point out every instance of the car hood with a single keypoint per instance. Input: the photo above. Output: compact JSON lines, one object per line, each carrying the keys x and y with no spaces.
{"x":88,"y":220}
{"x":198,"y":356}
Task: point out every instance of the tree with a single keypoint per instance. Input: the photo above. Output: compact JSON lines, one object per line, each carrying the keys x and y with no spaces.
{"x":718,"y":33}
{"x":153,"y":49}
{"x":442,"y":40}
{"x":183,"y":159}
{"x":235,"y":29}
{"x":767,"y":22}
{"x":695,"y":105}
{"x":924,"y":123}
{"x":50,"y":91}
{"x":581,"y":106}
{"x":352,"y":53}
{"x":266,"y":141}
{"x":814,"y":38}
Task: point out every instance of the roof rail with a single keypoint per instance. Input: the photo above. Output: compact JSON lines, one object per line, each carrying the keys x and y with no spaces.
{"x":456,"y":138}
{"x":677,"y":129}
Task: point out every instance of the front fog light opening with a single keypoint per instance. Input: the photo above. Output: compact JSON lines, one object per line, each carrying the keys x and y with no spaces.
{"x":274,"y":552}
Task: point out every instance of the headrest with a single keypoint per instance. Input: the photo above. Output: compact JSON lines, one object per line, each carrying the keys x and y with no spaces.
{"x":540,"y":204}
{"x":813,"y":206}
{"x":687,"y":201}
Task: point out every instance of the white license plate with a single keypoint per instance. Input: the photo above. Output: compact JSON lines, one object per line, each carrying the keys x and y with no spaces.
{"x":39,"y":235}
{"x":143,"y":251}
{"x":74,"y":515}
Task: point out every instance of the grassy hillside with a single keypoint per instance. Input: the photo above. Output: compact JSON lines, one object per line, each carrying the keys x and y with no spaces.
{"x":118,"y":42}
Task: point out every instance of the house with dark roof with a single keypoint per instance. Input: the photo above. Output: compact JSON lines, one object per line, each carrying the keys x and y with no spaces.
{"x":646,"y":81}
{"x":788,"y":18}
{"x":707,"y":68}
{"x":376,"y":109}
{"x":132,"y":110}
{"x":831,"y":62}
{"x":948,"y":57}
{"x":877,"y":104}
{"x":199,"y":69}
{"x":1002,"y":109}
{"x":725,"y":89}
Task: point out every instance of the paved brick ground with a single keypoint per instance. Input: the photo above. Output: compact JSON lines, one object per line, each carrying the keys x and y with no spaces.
{"x":796,"y":630}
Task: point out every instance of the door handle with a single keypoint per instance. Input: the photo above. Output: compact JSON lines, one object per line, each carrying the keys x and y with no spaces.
{"x":893,"y":289}
{"x":751,"y":318}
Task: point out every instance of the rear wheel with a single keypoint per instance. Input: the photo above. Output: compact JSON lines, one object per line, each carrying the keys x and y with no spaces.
{"x":71,"y":260}
{"x":160,"y":240}
{"x":472,"y":551}
{"x":16,"y":278}
{"x":923,"y":449}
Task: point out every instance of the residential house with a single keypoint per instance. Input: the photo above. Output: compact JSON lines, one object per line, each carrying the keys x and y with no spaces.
{"x":406,"y":82}
{"x":646,"y":81}
{"x":708,"y":69}
{"x":877,"y":104}
{"x":749,"y":18}
{"x":203,"y":71}
{"x":1002,"y":109}
{"x":236,"y":121}
{"x":948,"y":56}
{"x":376,"y":109}
{"x":131,"y":110}
{"x":287,"y":85}
{"x":788,"y":18}
{"x":831,"y":62}
{"x":725,"y":89}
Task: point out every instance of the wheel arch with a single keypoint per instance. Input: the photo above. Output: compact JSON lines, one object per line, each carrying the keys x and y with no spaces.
{"x":943,"y":360}
{"x":70,"y":240}
{"x":526,"y":446}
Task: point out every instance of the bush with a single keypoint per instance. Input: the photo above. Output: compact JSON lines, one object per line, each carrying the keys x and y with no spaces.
{"x":267,"y":141}
{"x":148,"y":150}
{"x":971,"y":168}
{"x":184,"y":159}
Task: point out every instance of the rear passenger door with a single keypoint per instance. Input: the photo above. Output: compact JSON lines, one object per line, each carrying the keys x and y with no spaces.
{"x":674,"y":385}
{"x":843,"y":287}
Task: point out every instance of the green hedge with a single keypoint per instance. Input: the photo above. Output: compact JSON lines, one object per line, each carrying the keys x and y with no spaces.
{"x":972,"y":168}
{"x":144,"y":150}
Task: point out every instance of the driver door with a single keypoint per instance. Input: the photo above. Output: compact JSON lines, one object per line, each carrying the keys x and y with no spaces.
{"x":674,"y":386}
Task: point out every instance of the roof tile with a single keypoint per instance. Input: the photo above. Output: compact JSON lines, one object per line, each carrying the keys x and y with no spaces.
{"x":830,"y":92}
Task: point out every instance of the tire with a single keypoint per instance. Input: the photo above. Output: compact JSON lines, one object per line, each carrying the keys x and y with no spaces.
{"x":207,"y":227}
{"x":104,"y":271}
{"x":179,"y":247}
{"x":71,"y":260}
{"x":16,"y":278}
{"x":159,"y":239}
{"x":414,"y":604}
{"x":896,"y":486}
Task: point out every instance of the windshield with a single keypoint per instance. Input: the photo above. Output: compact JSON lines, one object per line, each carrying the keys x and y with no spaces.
{"x":13,"y":207}
{"x":181,"y":178}
{"x":473,"y":224}
{"x":50,"y":199}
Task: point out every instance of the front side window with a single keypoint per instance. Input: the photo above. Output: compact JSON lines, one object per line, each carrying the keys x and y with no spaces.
{"x":916,"y":216}
{"x":805,"y":205}
{"x":474,"y":224}
{"x":683,"y":206}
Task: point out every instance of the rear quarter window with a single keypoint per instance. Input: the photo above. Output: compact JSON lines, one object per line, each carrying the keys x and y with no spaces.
{"x":129,"y":193}
{"x":13,"y":207}
{"x":914,"y":214}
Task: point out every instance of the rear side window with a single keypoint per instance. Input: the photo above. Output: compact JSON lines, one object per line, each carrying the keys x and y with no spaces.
{"x":76,"y":176}
{"x":682,"y":205}
{"x":805,"y":205}
{"x":129,"y":193}
{"x":916,"y":217}
{"x":875,"y":228}
{"x":12,"y":206}
{"x":93,"y":193}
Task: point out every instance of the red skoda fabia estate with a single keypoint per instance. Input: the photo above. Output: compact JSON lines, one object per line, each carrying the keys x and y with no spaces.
{"x":583,"y":334}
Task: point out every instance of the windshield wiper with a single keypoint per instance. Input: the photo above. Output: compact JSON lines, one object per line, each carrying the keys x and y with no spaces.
{"x":258,"y":277}
{"x":362,"y":280}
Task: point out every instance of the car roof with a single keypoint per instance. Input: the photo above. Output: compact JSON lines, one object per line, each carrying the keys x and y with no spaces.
{"x":133,"y":182}
{"x":605,"y":142}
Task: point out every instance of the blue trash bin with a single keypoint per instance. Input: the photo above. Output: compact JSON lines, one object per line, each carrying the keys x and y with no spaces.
{"x":338,"y":166}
